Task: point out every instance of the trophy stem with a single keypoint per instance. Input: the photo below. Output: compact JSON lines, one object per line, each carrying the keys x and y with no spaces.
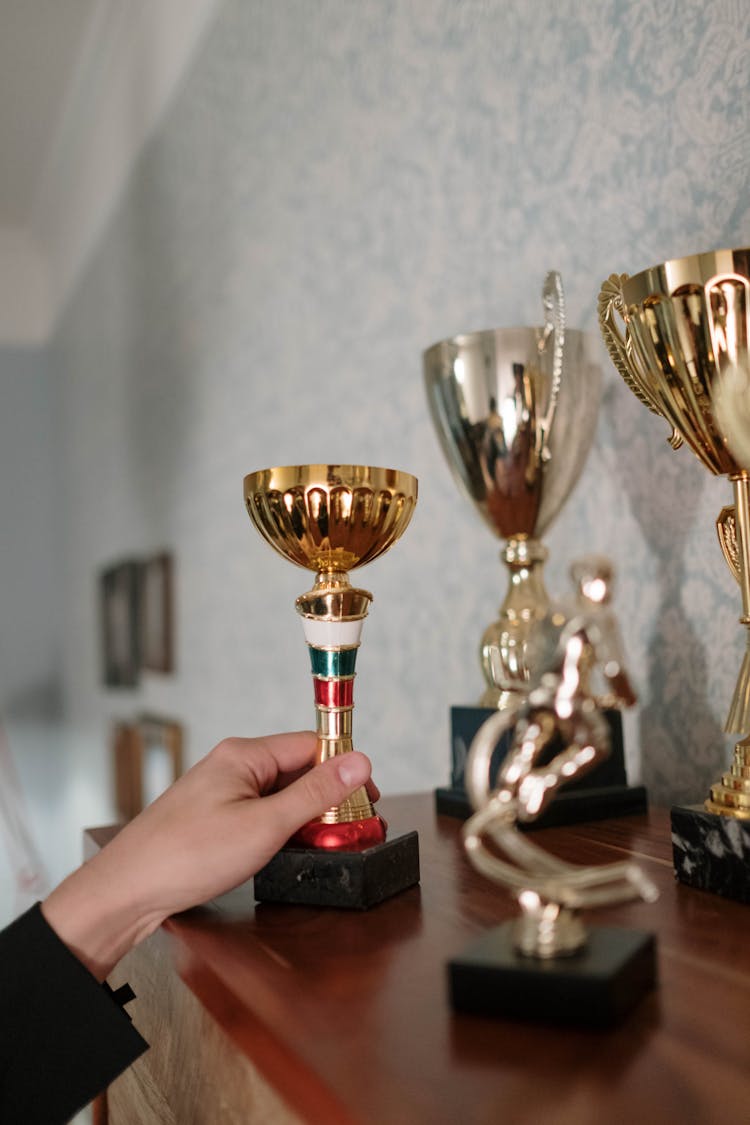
{"x":738,"y":720}
{"x":503,"y":646}
{"x":730,"y":796}
{"x":333,"y":613}
{"x":742,"y":507}
{"x":546,"y":929}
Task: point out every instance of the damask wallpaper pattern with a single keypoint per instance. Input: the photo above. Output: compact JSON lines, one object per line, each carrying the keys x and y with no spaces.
{"x":335,"y":187}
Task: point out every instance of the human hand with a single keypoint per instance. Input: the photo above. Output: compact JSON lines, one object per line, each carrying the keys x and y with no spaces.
{"x":210,"y":831}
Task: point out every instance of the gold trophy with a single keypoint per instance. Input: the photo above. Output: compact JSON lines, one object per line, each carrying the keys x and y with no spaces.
{"x":330,"y":519}
{"x":600,"y":973}
{"x":684,"y":354}
{"x":515,"y":410}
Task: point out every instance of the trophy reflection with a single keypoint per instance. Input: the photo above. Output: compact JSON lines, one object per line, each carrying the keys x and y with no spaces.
{"x":330,"y":519}
{"x":515,"y":411}
{"x":684,"y":354}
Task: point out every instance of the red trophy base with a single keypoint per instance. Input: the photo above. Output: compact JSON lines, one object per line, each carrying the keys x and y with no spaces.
{"x":352,"y":837}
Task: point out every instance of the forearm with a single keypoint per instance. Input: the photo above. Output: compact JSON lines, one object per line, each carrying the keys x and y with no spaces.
{"x":97,"y":918}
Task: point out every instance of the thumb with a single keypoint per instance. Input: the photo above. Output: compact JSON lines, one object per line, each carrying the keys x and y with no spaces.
{"x":319,"y":789}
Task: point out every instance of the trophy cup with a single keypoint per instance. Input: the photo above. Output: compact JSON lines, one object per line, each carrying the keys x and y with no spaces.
{"x":515,"y":410}
{"x":331,"y":519}
{"x":684,"y":354}
{"x":545,"y":965}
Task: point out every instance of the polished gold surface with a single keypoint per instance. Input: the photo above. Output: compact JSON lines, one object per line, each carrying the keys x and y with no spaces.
{"x":571,"y":644}
{"x":726,"y":801}
{"x":733,"y":791}
{"x":726,"y":529}
{"x":334,"y":722}
{"x":685,"y":354}
{"x":504,"y":645}
{"x":330,"y":517}
{"x":345,"y":603}
{"x":515,"y":411}
{"x":686,"y":333}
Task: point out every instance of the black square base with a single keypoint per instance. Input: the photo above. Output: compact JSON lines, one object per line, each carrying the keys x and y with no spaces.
{"x":711,"y":852}
{"x":349,"y":880}
{"x":602,"y":793}
{"x":594,"y":988}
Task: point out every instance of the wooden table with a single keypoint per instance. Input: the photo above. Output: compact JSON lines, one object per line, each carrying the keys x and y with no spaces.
{"x":272,"y":1013}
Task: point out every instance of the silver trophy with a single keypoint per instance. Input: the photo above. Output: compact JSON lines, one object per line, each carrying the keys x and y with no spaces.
{"x":515,"y":410}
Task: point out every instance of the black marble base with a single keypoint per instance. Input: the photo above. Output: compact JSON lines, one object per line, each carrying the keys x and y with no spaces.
{"x":711,"y":852}
{"x":594,"y":988}
{"x":602,"y":793}
{"x":350,"y":880}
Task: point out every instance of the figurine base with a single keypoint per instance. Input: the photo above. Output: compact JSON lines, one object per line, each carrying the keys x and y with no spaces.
{"x":348,"y":880}
{"x":711,"y":852}
{"x":594,"y":988}
{"x":603,"y":792}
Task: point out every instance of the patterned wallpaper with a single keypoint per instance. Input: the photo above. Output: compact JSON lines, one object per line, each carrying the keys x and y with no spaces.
{"x":335,"y":187}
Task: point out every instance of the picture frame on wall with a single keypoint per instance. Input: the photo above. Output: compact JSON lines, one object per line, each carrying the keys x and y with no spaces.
{"x":119,"y":589}
{"x":156,"y":613}
{"x":147,"y":760}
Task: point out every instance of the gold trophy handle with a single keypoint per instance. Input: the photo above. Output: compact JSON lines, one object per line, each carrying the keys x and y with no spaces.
{"x":553,"y":300}
{"x":620,"y":347}
{"x":726,"y":529}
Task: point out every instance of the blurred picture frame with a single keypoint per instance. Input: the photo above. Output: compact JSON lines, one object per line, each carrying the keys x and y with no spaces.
{"x":119,"y":596}
{"x":148,"y":758}
{"x":156,"y":617}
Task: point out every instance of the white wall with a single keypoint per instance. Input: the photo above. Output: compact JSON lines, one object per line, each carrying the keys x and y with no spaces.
{"x":335,"y":187}
{"x":31,"y":520}
{"x":30,"y":524}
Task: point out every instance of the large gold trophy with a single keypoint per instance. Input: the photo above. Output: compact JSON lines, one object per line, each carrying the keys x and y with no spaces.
{"x":330,"y":519}
{"x":684,"y":353}
{"x":515,"y":411}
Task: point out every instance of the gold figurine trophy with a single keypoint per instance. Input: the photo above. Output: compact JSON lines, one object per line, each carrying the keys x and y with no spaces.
{"x":685,"y":354}
{"x":545,"y":964}
{"x":515,"y":411}
{"x":330,"y":519}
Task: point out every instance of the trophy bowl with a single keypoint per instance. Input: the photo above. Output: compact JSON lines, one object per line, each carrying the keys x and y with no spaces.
{"x":684,"y":353}
{"x":515,"y":410}
{"x":330,"y":519}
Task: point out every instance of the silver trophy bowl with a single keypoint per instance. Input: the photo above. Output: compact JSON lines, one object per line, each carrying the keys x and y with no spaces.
{"x":515,"y":410}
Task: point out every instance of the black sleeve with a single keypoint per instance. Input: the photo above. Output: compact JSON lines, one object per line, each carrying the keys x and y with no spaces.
{"x":63,"y":1036}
